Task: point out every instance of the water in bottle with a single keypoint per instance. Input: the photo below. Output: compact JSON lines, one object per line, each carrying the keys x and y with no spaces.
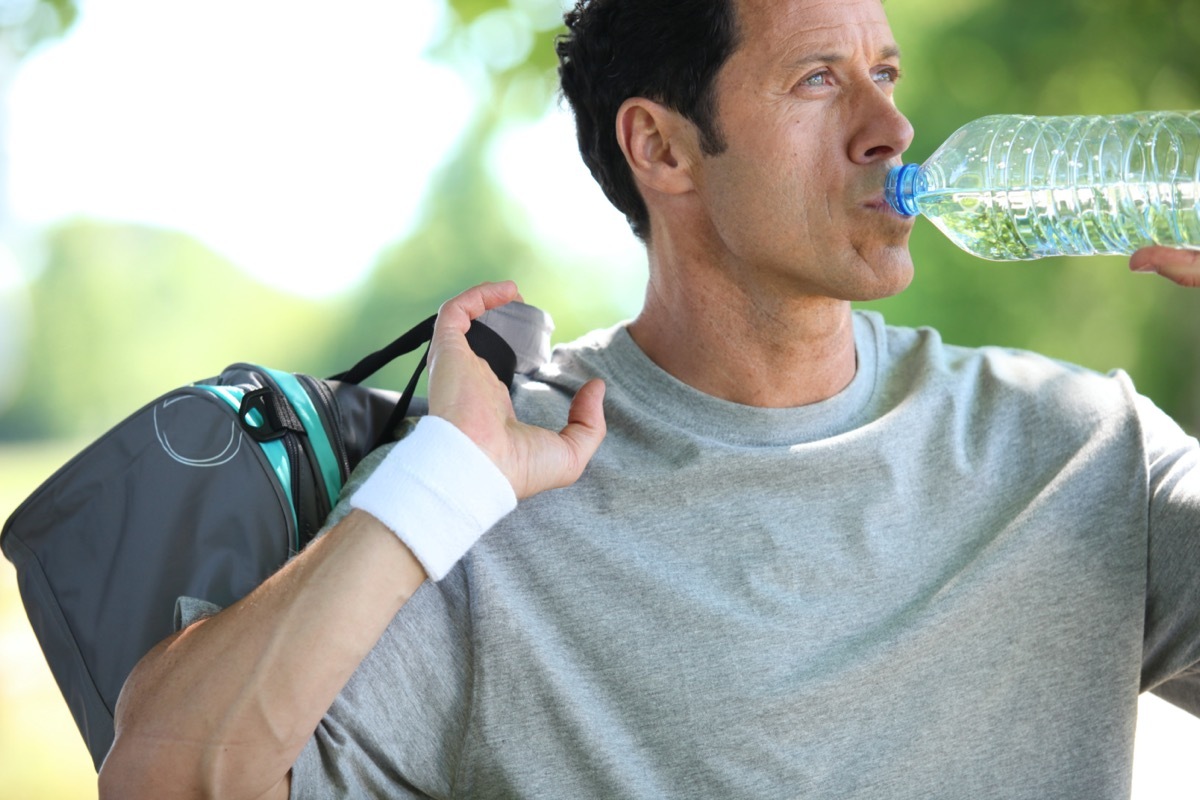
{"x":1018,"y":187}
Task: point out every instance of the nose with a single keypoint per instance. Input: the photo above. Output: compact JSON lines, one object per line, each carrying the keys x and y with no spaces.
{"x":883,"y":133}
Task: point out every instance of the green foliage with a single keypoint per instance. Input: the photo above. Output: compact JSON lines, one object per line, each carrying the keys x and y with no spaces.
{"x":122,"y":313}
{"x":505,"y":42}
{"x":470,"y":10}
{"x":462,"y":240}
{"x":469,"y":233}
{"x":65,"y":11}
{"x":25,"y":24}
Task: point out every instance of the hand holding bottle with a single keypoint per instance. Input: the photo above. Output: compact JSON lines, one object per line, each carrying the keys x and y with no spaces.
{"x":1176,"y":264}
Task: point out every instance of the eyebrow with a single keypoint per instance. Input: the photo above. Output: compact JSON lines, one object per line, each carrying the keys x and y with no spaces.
{"x":889,"y":52}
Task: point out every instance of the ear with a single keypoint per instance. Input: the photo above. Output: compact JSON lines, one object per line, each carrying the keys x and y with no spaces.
{"x":659,"y":145}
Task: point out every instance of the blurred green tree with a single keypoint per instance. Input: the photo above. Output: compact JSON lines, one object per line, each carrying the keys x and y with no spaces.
{"x":122,"y":313}
{"x":468,"y":233}
{"x":25,"y":24}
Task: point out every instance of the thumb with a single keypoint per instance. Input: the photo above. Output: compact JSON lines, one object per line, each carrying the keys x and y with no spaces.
{"x":1175,"y":264}
{"x":584,"y":431}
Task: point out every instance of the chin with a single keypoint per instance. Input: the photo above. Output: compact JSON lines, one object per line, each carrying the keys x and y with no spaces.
{"x":888,"y":271}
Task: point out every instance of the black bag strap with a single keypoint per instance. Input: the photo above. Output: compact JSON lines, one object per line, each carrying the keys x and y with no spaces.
{"x":368,"y":365}
{"x":486,"y":343}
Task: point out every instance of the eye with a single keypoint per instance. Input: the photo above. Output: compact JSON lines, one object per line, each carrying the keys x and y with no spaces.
{"x":820,"y":78}
{"x":887,"y":74}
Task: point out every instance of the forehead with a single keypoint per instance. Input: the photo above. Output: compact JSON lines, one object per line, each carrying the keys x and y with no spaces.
{"x":783,"y":29}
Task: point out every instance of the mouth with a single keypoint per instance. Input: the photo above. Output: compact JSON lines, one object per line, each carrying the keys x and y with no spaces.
{"x":877,"y":203}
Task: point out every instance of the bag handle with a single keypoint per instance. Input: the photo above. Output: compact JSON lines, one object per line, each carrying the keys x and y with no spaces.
{"x":487,"y":344}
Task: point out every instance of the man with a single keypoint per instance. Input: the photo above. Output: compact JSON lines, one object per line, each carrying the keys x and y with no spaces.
{"x":815,"y":555}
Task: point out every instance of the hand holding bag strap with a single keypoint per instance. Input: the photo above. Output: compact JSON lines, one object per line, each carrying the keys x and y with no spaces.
{"x":486,"y":343}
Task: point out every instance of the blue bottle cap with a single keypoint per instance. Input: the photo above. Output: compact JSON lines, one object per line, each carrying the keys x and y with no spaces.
{"x":900,"y":189}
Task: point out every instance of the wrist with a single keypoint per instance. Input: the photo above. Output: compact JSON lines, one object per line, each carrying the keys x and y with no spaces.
{"x":438,"y":492}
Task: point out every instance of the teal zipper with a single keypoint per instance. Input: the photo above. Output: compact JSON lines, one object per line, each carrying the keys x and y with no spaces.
{"x":302,"y":404}
{"x":275,"y":451}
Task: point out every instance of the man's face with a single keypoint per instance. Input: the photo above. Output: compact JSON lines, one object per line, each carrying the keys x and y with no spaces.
{"x":805,"y":106}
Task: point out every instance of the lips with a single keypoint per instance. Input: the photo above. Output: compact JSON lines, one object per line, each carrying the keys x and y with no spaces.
{"x":876,"y":202}
{"x":874,"y":195}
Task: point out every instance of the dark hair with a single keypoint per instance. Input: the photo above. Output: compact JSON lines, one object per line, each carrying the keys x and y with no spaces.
{"x":668,"y":51}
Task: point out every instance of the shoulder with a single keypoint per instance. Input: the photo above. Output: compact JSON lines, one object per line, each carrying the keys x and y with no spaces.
{"x":991,"y":379}
{"x":545,"y":395}
{"x":921,"y":354}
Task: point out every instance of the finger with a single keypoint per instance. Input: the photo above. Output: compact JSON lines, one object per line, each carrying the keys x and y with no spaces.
{"x":457,"y":376}
{"x":1176,"y":264}
{"x":585,"y":428}
{"x":456,"y":314}
{"x":553,"y":466}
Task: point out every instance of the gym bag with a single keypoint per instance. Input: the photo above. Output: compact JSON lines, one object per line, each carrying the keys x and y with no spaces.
{"x":205,"y":492}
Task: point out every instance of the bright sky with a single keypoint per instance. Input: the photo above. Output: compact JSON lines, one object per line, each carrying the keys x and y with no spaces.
{"x":295,"y":138}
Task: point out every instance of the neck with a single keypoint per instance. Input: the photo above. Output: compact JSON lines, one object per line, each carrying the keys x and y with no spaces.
{"x":759,"y":346}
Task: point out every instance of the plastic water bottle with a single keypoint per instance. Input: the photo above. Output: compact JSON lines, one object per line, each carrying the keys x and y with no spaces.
{"x":1011,"y":188}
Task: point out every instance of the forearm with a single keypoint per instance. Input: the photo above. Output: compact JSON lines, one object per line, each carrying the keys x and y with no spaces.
{"x":224,"y":708}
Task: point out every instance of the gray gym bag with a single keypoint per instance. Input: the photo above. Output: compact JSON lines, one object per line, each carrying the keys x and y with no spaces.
{"x":205,"y":492}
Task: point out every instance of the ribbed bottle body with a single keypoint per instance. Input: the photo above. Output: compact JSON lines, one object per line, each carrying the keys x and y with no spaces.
{"x":1020,"y":187}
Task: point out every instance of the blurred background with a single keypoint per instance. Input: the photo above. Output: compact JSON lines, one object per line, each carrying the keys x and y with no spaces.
{"x":187,"y":184}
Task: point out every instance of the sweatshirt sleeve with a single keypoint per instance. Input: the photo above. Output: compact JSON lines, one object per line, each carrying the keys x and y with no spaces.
{"x":1171,"y":652}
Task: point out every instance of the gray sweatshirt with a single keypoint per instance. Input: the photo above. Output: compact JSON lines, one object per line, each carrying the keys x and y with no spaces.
{"x":952,"y":580}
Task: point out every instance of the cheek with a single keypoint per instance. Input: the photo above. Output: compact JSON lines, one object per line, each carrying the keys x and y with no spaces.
{"x":808,"y":178}
{"x":814,"y":207}
{"x":774,"y":181}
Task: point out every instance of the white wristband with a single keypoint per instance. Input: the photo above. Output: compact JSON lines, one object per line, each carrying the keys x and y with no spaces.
{"x":438,"y":492}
